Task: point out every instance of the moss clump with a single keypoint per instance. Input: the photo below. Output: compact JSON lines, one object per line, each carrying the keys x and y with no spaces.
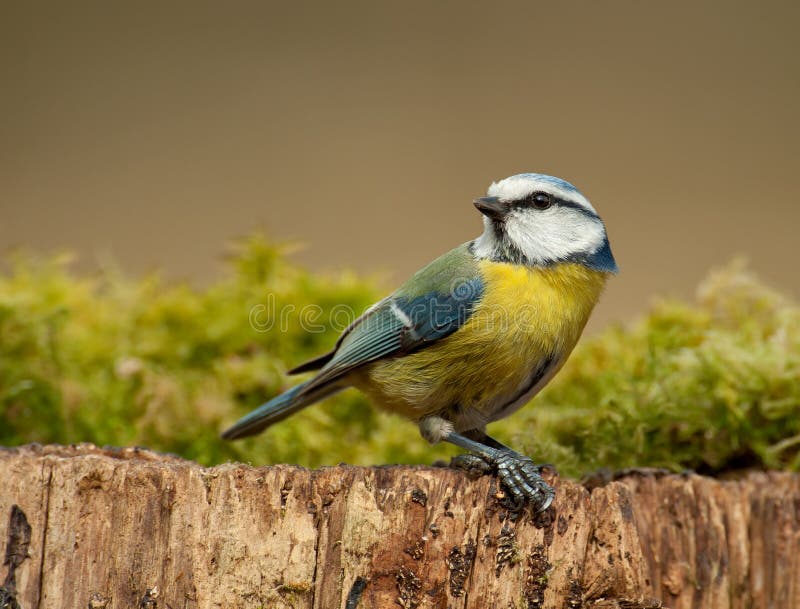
{"x":712,"y":386}
{"x":111,"y":360}
{"x":107,"y":359}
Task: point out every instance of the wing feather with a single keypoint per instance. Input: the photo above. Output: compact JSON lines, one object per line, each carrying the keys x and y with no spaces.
{"x":399,"y":325}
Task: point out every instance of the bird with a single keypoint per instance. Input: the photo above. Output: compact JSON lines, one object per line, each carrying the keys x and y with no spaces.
{"x":477,"y":333}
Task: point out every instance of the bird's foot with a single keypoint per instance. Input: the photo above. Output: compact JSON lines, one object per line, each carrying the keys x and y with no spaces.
{"x":472,"y":464}
{"x":520,"y":476}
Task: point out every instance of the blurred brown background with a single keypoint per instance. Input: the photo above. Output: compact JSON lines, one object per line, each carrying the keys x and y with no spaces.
{"x":155,"y":131}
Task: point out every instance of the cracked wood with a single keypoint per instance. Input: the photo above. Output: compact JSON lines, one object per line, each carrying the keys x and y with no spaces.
{"x":126,"y":528}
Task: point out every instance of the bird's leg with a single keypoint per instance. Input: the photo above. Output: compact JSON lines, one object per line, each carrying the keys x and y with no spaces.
{"x":517,"y":473}
{"x":472,"y":463}
{"x":479,"y":435}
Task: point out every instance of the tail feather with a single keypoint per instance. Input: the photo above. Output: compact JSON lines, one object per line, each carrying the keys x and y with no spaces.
{"x":314,"y":364}
{"x":277,"y":409}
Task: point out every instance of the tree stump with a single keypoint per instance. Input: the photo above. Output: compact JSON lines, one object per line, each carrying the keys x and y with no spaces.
{"x":128,"y":528}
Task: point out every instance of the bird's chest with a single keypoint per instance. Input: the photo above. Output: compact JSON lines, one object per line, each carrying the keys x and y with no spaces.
{"x":523,"y":328}
{"x":531,"y":311}
{"x":522,"y":332}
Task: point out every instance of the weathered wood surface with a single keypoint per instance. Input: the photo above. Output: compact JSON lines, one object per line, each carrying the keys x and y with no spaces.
{"x":130,"y":528}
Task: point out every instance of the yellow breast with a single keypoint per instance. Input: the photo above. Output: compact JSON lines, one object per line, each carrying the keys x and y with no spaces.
{"x":525,"y":316}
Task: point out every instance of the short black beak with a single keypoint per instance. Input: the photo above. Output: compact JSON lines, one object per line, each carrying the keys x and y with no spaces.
{"x":491,"y":207}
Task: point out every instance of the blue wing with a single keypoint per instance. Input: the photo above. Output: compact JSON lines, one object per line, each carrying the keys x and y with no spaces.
{"x":433,"y":304}
{"x":396,"y":326}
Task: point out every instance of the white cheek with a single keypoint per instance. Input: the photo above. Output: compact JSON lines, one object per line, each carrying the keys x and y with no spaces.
{"x":554,"y":234}
{"x":485,"y":246}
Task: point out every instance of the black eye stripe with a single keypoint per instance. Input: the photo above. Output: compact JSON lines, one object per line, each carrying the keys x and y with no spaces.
{"x":536,"y":200}
{"x":576,"y":206}
{"x":527,"y":202}
{"x":539,"y":200}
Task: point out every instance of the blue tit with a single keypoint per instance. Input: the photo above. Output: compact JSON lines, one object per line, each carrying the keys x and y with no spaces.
{"x":474,"y":335}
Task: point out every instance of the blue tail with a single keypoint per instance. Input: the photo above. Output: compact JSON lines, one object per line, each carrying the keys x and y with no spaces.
{"x":277,"y":409}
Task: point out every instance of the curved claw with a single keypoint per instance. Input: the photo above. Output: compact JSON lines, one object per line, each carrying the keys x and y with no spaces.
{"x":520,"y":476}
{"x":523,"y":480}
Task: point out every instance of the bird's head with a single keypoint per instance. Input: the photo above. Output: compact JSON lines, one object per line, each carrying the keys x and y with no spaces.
{"x":540,"y":220}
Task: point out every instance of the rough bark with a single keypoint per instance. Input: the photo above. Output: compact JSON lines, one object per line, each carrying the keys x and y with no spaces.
{"x":129,"y":528}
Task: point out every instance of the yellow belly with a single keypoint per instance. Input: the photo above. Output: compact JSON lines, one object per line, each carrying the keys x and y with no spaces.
{"x":526,"y":316}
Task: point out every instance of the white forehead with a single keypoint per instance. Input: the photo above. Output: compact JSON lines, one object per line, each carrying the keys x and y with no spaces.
{"x":524,"y":184}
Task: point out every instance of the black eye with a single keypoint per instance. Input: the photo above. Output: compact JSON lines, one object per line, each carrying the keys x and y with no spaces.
{"x":541,"y":200}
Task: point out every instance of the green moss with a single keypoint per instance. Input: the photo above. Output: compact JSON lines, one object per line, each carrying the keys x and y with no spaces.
{"x":108,"y":359}
{"x":711,"y":386}
{"x":103,"y":358}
